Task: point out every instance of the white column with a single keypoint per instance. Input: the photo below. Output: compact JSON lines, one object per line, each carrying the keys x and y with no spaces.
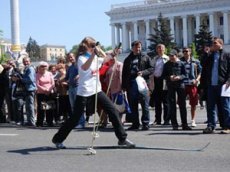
{"x":15,"y":29}
{"x":185,"y":30}
{"x":190,"y":30}
{"x":113,"y":35}
{"x":135,"y":30}
{"x":118,"y":35}
{"x":172,"y":28}
{"x":147,"y":25}
{"x":124,"y":37}
{"x":211,"y":23}
{"x":226,"y":27}
{"x":197,"y":23}
{"x":177,"y":31}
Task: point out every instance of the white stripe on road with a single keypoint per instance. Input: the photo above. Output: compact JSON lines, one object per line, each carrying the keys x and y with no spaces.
{"x":8,"y":134}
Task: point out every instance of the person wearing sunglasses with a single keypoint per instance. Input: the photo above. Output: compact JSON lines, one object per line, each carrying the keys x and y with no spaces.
{"x":193,"y":74}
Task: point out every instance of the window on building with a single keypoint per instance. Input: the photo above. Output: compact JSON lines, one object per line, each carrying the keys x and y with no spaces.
{"x":222,"y":36}
{"x":221,"y":21}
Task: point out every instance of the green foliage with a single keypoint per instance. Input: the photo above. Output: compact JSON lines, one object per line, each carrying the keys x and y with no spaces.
{"x":202,"y":39}
{"x":194,"y":53}
{"x":4,"y":58}
{"x":74,"y":49}
{"x":1,"y":33}
{"x":33,"y":49}
{"x":162,"y":36}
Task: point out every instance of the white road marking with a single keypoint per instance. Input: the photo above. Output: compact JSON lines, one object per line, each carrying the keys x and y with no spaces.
{"x":8,"y":134}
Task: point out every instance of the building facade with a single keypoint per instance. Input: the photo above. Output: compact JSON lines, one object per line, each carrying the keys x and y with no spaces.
{"x":136,"y":20}
{"x":52,"y":52}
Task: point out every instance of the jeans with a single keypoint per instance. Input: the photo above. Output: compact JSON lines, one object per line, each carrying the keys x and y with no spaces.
{"x":79,"y":107}
{"x":226,"y":111}
{"x":18,"y":110}
{"x":72,"y":98}
{"x":134,"y":98}
{"x":29,"y":103}
{"x":213,"y":102}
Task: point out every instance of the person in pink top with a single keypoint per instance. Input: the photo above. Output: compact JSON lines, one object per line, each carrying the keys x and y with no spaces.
{"x":45,"y":85}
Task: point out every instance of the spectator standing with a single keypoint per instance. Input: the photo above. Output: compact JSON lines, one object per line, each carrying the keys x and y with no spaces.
{"x":217,"y":68}
{"x":45,"y":84}
{"x":137,"y":64}
{"x":174,"y":73}
{"x":193,"y":74}
{"x":29,"y":79}
{"x":72,"y":77}
{"x":159,"y":94}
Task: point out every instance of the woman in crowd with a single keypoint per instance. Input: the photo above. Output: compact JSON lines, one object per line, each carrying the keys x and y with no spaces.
{"x":45,"y":103}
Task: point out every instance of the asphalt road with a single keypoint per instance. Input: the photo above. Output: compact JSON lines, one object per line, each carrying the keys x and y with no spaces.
{"x":158,"y":149}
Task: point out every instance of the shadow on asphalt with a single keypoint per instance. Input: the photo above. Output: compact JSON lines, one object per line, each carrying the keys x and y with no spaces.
{"x":49,"y":149}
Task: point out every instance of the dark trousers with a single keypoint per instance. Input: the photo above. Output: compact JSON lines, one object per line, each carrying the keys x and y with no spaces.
{"x":79,"y":107}
{"x":160,"y":98}
{"x":134,"y":97}
{"x":213,"y":102}
{"x":2,"y":115}
{"x":41,"y":114}
{"x":181,"y":102}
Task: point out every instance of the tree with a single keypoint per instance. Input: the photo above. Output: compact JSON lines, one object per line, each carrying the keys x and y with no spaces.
{"x":202,"y":39}
{"x":162,"y":36}
{"x":33,"y":49}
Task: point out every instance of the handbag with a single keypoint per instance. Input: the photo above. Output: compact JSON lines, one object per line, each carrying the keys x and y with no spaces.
{"x":48,"y":105}
{"x":119,"y":102}
{"x":19,"y":90}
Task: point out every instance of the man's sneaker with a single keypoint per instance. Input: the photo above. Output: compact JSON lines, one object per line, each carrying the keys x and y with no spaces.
{"x":126,"y":143}
{"x":193,"y":123}
{"x":58,"y":145}
{"x":225,"y":131}
{"x":208,"y":130}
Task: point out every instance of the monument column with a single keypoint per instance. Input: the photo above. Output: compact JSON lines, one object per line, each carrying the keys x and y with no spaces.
{"x":15,"y":30}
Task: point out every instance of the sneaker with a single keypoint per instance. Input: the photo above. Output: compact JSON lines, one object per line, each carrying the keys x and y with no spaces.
{"x":186,"y":128}
{"x":58,"y":144}
{"x":225,"y":131}
{"x":208,"y":130}
{"x":193,"y":123}
{"x":126,"y":143}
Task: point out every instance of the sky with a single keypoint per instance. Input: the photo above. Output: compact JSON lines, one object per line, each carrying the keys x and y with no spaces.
{"x":60,"y":22}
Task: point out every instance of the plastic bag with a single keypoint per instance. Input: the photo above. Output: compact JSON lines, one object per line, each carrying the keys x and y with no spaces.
{"x":141,"y":83}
